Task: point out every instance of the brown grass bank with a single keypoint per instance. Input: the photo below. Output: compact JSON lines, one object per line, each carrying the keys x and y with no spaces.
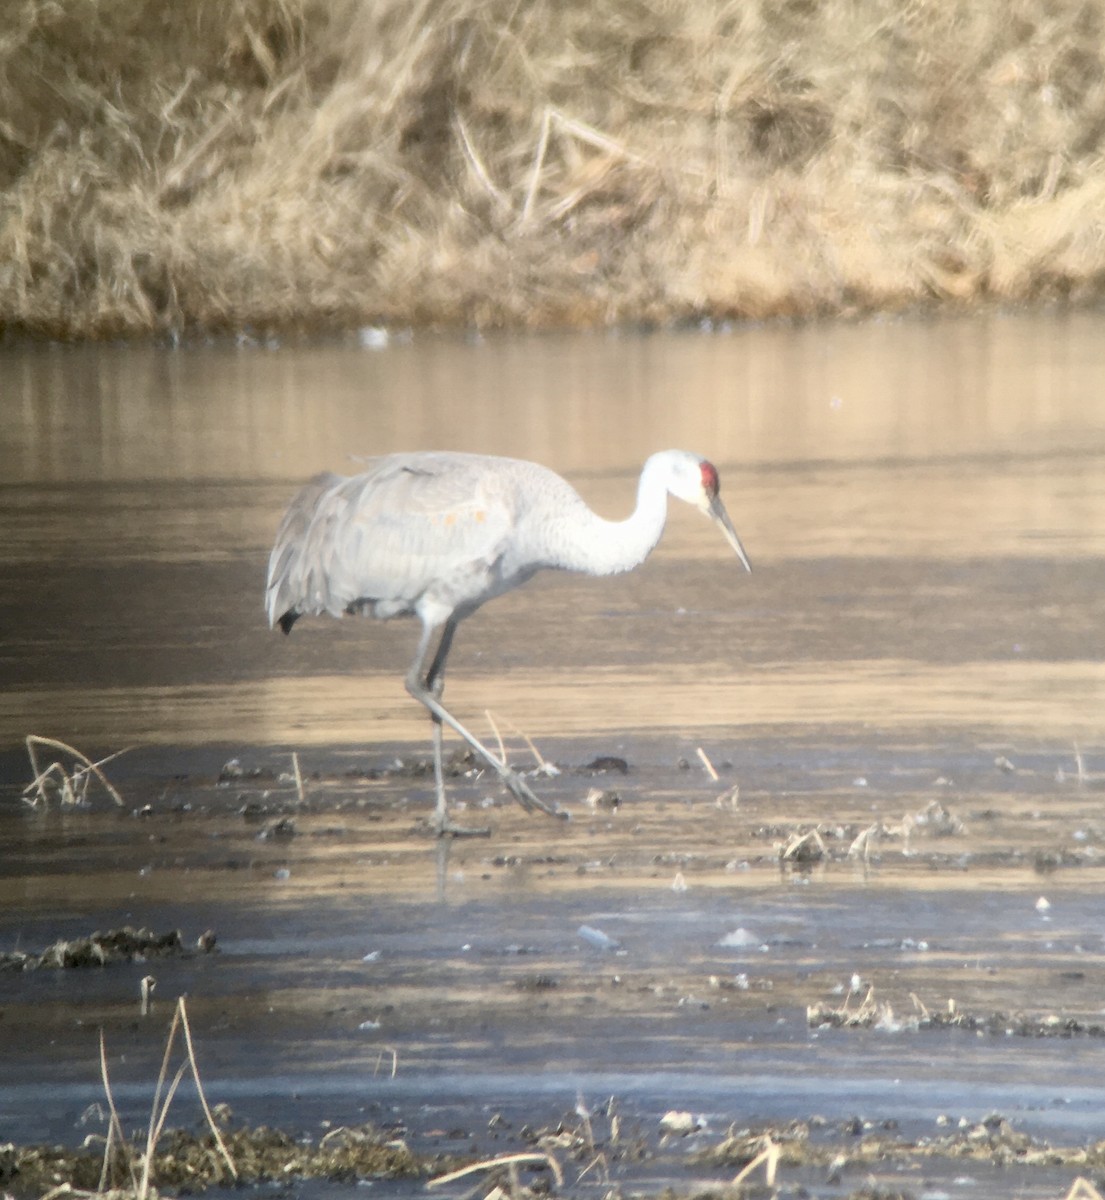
{"x":300,"y":163}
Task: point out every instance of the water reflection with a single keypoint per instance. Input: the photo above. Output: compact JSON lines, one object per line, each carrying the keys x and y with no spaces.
{"x":900,"y":390}
{"x":923,"y":500}
{"x":1059,"y":702}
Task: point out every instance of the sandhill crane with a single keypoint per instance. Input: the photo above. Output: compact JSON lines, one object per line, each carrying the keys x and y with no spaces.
{"x":435,"y":535}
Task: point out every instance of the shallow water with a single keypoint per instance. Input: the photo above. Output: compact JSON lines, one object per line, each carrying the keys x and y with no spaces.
{"x":924,"y":506}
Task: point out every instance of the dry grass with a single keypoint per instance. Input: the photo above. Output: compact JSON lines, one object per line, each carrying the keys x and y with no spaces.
{"x":129,"y":1167}
{"x":69,"y":776}
{"x":301,"y":163}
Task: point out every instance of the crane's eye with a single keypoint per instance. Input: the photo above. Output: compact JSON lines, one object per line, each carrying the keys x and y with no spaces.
{"x":709,"y":478}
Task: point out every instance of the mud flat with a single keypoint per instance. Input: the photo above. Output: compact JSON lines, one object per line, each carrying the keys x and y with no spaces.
{"x":885,"y":958}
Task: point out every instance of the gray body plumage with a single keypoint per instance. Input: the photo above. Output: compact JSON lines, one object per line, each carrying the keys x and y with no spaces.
{"x":435,"y":535}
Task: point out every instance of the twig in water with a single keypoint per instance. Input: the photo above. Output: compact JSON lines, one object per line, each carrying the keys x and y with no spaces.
{"x":298,"y":777}
{"x":72,"y":786}
{"x":707,"y":764}
{"x":199,"y":1089}
{"x":505,"y":1160}
{"x":806,"y":847}
{"x":498,"y":735}
{"x":160,"y":1109}
{"x":861,"y":844}
{"x":730,"y":798}
{"x":1080,"y":764}
{"x":598,"y":1161}
{"x":394,"y":1060}
{"x":543,"y":765}
{"x":1083,"y":1189}
{"x":768,"y":1158}
{"x":114,"y":1128}
{"x":584,"y":1114}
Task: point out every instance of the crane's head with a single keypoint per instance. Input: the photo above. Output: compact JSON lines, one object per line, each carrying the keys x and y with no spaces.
{"x":695,"y":480}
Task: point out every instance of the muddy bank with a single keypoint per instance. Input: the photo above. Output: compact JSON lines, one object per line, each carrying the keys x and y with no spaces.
{"x":673,"y":948}
{"x":586,"y":1150}
{"x":283,"y":166}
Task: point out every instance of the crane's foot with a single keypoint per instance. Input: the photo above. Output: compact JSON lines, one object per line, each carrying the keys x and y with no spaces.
{"x":449,"y":828}
{"x":444,"y":827}
{"x":525,"y":796}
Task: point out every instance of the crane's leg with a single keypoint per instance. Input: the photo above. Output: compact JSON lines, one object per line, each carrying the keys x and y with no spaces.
{"x":427,"y":691}
{"x":435,"y":683}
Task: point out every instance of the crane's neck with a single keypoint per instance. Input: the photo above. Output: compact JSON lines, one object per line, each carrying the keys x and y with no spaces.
{"x":595,"y":546}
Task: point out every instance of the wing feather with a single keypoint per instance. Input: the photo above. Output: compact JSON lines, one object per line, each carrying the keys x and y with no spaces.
{"x":409,"y":528}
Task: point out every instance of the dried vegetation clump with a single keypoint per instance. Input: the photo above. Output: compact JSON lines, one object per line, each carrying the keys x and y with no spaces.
{"x":303,"y":163}
{"x":878,"y":1013}
{"x":185,"y":1160}
{"x":863,"y":1145}
{"x":100,"y":949}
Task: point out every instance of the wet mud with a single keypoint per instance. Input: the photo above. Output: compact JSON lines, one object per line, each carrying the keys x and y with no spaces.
{"x":885,"y":960}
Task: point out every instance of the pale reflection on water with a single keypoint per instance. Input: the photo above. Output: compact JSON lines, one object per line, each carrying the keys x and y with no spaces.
{"x":141,"y":487}
{"x":909,"y":391}
{"x":1056,"y":701}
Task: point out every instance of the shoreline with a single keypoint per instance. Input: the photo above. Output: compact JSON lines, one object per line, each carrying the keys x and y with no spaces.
{"x":290,"y":167}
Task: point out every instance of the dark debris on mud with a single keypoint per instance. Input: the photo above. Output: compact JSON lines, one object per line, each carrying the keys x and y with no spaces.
{"x":102,"y":949}
{"x":457,"y":764}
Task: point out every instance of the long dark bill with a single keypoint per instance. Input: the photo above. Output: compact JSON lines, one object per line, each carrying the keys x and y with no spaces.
{"x":720,"y":517}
